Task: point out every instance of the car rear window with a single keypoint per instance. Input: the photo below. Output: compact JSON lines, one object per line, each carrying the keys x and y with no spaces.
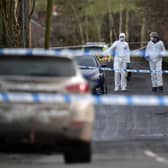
{"x":37,"y":66}
{"x":86,"y":61}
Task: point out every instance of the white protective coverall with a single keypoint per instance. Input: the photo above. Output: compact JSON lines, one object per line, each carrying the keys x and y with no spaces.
{"x":121,"y":58}
{"x":154,"y":56}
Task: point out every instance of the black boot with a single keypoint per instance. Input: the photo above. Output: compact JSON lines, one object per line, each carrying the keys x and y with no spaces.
{"x":160,"y":88}
{"x":154,"y":89}
{"x":129,"y":76}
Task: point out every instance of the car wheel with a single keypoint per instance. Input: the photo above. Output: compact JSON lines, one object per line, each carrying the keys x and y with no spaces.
{"x":79,"y":152}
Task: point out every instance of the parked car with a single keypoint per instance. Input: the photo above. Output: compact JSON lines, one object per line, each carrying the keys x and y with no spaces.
{"x":98,"y":47}
{"x":69,"y":126}
{"x":95,"y":75}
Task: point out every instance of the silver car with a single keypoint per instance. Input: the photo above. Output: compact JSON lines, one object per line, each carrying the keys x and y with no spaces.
{"x":66,"y":125}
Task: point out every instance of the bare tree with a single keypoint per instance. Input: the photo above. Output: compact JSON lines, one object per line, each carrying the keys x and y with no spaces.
{"x":86,"y":28}
{"x":96,"y":24}
{"x":31,"y":7}
{"x":98,"y":27}
{"x":121,"y":17}
{"x":48,"y":24}
{"x":15,"y":19}
{"x":110,"y":21}
{"x":12,"y":24}
{"x":143,"y":31}
{"x":127,"y":19}
{"x":76,"y":15}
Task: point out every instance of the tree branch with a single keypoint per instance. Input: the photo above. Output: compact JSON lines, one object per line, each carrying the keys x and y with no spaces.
{"x":32,"y":9}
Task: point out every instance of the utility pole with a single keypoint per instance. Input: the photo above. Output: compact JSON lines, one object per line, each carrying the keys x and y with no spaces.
{"x":48,"y":24}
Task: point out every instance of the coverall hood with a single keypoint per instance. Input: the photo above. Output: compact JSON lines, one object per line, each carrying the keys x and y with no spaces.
{"x":122,"y":37}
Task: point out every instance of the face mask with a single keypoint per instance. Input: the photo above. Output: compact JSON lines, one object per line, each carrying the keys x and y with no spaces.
{"x":122,"y":38}
{"x":154,"y":39}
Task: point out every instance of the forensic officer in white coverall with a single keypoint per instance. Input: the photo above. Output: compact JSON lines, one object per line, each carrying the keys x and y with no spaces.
{"x":153,"y":55}
{"x":120,"y":50}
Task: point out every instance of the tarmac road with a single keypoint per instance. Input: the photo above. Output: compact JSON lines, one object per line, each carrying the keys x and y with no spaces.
{"x":123,"y":123}
{"x":116,"y":154}
{"x":129,"y":137}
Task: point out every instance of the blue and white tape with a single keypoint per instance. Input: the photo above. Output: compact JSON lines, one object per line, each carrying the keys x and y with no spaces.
{"x":114,"y":100}
{"x":126,"y":70}
{"x":68,"y":52}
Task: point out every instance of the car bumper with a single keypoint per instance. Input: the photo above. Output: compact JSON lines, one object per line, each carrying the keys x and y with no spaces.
{"x":30,"y":126}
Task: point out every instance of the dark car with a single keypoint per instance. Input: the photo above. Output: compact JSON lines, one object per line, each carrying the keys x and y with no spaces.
{"x":91,"y":70}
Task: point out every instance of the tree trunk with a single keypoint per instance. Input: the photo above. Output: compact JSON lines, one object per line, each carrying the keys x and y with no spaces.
{"x":29,"y":25}
{"x":1,"y":32}
{"x":127,"y":20}
{"x":143,"y":31}
{"x":121,"y":16}
{"x":14,"y":15}
{"x":31,"y":7}
{"x":78,"y":21}
{"x":114,"y":27}
{"x":24,"y":23}
{"x":110,"y":21}
{"x":48,"y":24}
{"x":98,"y":28}
{"x":86,"y":29}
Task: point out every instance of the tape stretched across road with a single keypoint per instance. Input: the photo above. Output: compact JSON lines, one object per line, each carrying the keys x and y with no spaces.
{"x":69,"y":52}
{"x":125,"y":70}
{"x":114,"y":100}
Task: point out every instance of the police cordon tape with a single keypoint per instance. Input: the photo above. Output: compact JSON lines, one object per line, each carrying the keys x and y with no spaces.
{"x":70,"y":52}
{"x":125,"y":70}
{"x":114,"y":100}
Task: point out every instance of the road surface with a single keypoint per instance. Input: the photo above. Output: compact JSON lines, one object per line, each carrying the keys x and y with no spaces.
{"x":116,"y":154}
{"x":126,"y":137}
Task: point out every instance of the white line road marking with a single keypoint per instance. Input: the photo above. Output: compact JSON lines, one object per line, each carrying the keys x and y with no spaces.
{"x":155,"y":156}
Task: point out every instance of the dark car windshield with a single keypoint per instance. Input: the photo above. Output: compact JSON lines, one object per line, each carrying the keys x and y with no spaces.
{"x":93,"y":48}
{"x":86,"y":61}
{"x":36,"y":66}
